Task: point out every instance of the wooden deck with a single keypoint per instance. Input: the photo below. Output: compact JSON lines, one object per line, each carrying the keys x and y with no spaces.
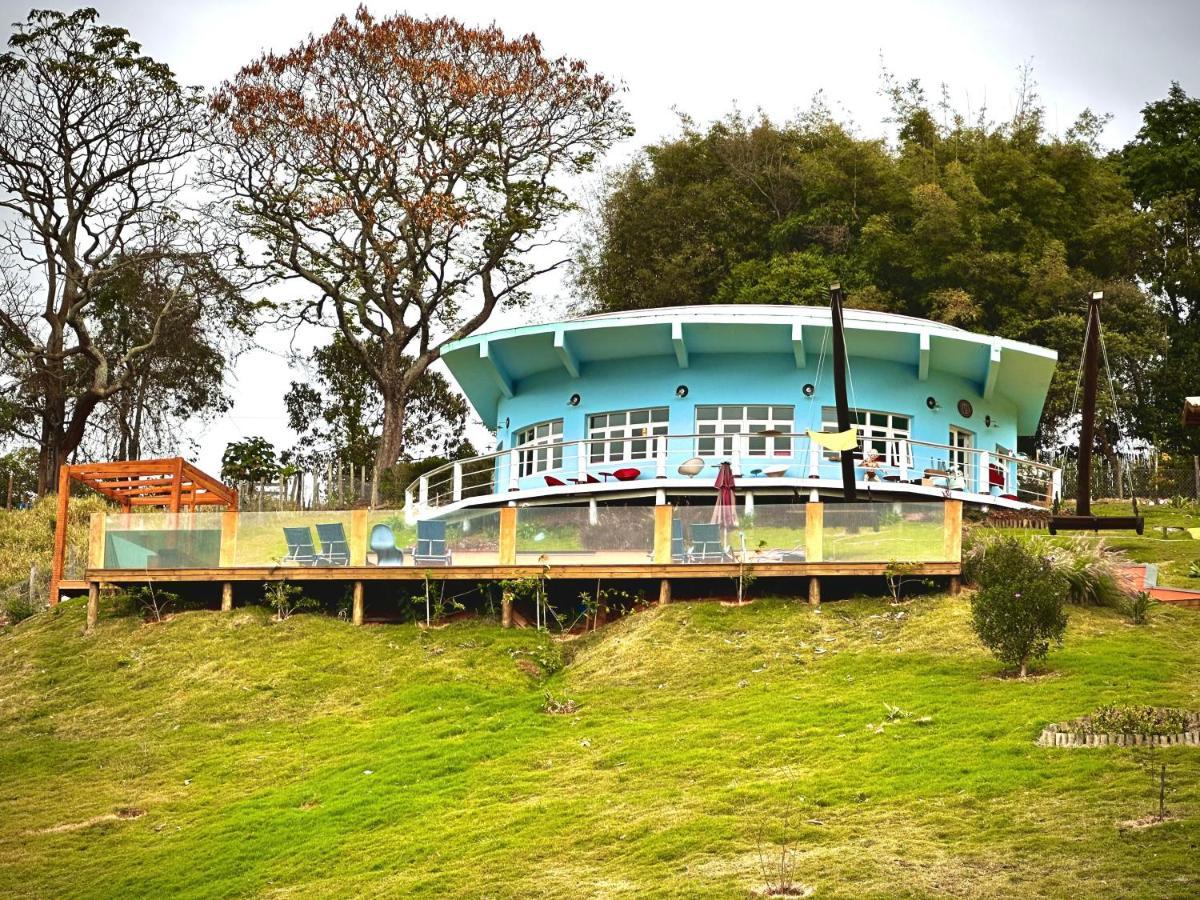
{"x":493,"y":573}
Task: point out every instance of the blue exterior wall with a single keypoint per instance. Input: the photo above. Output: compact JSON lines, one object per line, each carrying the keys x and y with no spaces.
{"x":745,"y":379}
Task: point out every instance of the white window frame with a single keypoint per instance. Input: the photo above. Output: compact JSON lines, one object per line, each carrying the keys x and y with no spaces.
{"x":745,"y":418}
{"x":958,"y":456}
{"x":626,"y":434}
{"x":539,"y":447}
{"x":884,"y":438}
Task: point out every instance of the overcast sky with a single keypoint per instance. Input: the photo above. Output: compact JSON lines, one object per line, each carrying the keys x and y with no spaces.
{"x":702,"y":59}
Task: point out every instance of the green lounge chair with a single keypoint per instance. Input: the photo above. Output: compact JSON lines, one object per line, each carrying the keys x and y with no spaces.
{"x":335,"y":549}
{"x":707,"y":545}
{"x":431,"y":544}
{"x":300,"y":549}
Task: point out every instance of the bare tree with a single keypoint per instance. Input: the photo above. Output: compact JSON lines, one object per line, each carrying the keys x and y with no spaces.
{"x":407,"y":169}
{"x":94,"y":140}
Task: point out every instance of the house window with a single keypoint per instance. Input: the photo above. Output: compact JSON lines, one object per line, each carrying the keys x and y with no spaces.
{"x":731,"y":420}
{"x":961,"y":442}
{"x":879,"y":431}
{"x":625,"y":434}
{"x":539,"y":447}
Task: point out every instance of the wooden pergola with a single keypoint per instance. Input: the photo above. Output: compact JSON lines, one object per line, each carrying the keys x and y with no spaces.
{"x":174,"y":483}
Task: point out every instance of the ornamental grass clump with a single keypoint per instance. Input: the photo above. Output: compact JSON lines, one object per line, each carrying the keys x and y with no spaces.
{"x":1092,"y":574}
{"x":1018,"y":612}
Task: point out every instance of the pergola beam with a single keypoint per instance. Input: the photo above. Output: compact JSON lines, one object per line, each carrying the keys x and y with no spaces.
{"x":681,"y":350}
{"x":569,"y":360}
{"x":993,"y":370}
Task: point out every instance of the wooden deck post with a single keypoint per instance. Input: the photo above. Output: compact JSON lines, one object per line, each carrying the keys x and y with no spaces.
{"x":952,"y":531}
{"x":506,"y":610}
{"x":955,"y":585}
{"x":95,"y":558}
{"x":814,"y":532}
{"x":358,"y":537}
{"x":356,"y":615}
{"x":93,"y":605}
{"x":508,"y":535}
{"x":60,"y":532}
{"x":814,"y":590}
{"x":664,"y":592}
{"x":662,"y":532}
{"x":229,"y":533}
{"x":227,"y":596}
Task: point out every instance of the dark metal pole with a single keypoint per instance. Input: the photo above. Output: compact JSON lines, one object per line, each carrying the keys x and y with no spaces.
{"x":1087,"y":428}
{"x":839,"y":388}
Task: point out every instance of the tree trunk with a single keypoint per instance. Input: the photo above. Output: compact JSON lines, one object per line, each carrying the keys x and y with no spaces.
{"x":391,"y":439}
{"x":1024,"y":668}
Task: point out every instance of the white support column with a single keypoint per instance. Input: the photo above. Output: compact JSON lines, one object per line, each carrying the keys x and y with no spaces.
{"x":736,"y":460}
{"x":423,"y":493}
{"x":749,"y":503}
{"x":581,"y":461}
{"x":984,"y":485}
{"x":456,"y":489}
{"x":513,"y":467}
{"x":814,"y":459}
{"x":902,"y":458}
{"x":1055,"y":485}
{"x":593,"y":511}
{"x":660,"y":453}
{"x":660,"y":497}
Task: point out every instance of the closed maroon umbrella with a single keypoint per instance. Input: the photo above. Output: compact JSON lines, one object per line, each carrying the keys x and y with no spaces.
{"x":725,"y":512}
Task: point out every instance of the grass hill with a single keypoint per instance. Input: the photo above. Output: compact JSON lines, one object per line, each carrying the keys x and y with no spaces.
{"x":227,"y":754}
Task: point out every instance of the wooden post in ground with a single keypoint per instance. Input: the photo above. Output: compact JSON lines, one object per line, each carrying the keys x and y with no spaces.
{"x":955,"y":585}
{"x":227,"y":596}
{"x":814,"y":590}
{"x":60,"y":531}
{"x":93,"y":605}
{"x":664,"y":592}
{"x":357,"y":612}
{"x":506,"y":610}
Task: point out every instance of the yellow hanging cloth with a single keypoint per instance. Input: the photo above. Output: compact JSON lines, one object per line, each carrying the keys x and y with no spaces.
{"x":836,"y":441}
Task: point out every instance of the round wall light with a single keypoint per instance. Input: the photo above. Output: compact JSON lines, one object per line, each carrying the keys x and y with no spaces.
{"x":681,"y":391}
{"x":809,"y":390}
{"x":932,"y":403}
{"x":574,"y":401}
{"x":506,"y":421}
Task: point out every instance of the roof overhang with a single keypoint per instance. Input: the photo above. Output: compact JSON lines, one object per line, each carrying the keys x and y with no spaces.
{"x":490,"y":366}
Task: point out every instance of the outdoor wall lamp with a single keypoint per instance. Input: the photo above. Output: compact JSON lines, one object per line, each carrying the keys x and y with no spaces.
{"x":932,"y":403}
{"x":809,"y":390}
{"x":681,"y":391}
{"x":574,"y":401}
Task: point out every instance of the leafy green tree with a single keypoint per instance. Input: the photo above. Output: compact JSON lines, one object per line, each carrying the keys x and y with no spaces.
{"x":338,"y":411}
{"x":1018,"y":610}
{"x":1162,"y":165}
{"x":252,"y":460}
{"x":21,"y":465}
{"x":994,"y":226}
{"x":95,"y":140}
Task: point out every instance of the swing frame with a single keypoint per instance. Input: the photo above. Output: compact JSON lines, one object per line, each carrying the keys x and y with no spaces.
{"x":1083,"y":520}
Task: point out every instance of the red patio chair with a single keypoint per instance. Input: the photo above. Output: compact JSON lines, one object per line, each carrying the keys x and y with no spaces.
{"x":551,"y":481}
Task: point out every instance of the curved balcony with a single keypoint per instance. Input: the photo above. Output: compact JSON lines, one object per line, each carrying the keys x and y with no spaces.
{"x":763,"y":463}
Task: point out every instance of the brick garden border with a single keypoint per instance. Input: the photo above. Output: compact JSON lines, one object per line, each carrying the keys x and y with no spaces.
{"x":1066,"y":735}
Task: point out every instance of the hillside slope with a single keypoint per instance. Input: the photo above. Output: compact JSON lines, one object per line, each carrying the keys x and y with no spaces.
{"x":227,"y":755}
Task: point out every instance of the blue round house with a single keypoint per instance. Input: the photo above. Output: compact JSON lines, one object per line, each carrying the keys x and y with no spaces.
{"x":643,"y":406}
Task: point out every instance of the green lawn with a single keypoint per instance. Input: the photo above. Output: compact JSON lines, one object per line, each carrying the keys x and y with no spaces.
{"x":227,"y":755}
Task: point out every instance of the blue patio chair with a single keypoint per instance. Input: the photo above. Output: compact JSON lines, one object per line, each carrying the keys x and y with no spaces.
{"x":300,"y":549}
{"x":707,"y":545}
{"x":431,"y":544}
{"x":678,"y":549}
{"x":335,"y":549}
{"x":383,"y":545}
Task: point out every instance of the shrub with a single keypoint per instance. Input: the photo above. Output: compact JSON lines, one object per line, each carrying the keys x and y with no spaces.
{"x":18,"y":606}
{"x":1091,"y":572}
{"x":287,"y":599}
{"x":1137,"y":607}
{"x":1017,"y":613}
{"x":152,"y":602}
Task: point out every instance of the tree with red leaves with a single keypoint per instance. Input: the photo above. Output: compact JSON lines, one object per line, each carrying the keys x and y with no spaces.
{"x":406,"y":169}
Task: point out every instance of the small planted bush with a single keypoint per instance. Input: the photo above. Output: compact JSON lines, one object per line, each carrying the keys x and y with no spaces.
{"x":1018,"y":612}
{"x":287,"y":599}
{"x":1137,"y":608}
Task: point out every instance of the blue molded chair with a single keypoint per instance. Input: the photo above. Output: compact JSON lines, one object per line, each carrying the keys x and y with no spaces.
{"x":431,"y":544}
{"x":383,"y":545}
{"x":300,"y":549}
{"x":707,"y":545}
{"x":335,"y":549}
